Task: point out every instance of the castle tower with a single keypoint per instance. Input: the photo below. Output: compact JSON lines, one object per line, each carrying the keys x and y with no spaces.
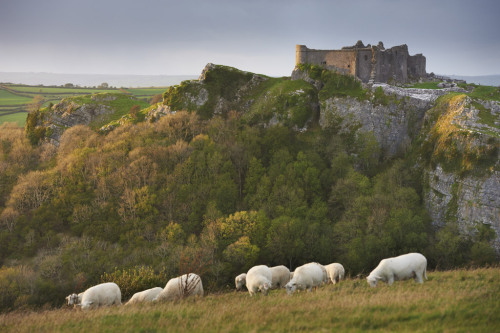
{"x":300,"y":54}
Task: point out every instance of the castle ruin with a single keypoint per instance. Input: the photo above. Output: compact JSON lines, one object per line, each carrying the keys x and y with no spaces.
{"x":367,"y":63}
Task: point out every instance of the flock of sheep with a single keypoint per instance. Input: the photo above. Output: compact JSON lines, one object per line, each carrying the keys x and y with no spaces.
{"x":258,"y":279}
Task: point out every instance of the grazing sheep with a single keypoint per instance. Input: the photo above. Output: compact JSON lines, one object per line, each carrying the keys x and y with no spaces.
{"x":103,"y":294}
{"x":307,"y":277}
{"x":259,"y":278}
{"x":74,"y":299}
{"x":145,"y":296}
{"x":325,"y":273}
{"x":280,"y":276}
{"x":240,"y":281}
{"x":406,"y":266}
{"x":183,"y":286}
{"x":335,"y":272}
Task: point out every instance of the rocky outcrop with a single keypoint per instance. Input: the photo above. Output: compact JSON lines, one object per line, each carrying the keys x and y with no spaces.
{"x":420,"y":98}
{"x":91,"y":110}
{"x":468,"y":193}
{"x":218,"y":90}
{"x":394,"y":122}
{"x":68,"y":113}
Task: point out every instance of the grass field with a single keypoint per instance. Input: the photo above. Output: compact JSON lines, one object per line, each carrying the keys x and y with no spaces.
{"x":14,"y":98}
{"x":17,"y":117}
{"x":451,"y":301}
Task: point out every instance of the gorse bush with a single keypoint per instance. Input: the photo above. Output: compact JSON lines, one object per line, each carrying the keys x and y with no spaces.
{"x":135,"y":279}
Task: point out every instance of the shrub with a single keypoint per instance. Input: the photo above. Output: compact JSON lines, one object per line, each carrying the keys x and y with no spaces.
{"x":136,"y":279}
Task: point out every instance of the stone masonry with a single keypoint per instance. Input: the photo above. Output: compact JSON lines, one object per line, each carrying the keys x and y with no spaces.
{"x":368,"y":63}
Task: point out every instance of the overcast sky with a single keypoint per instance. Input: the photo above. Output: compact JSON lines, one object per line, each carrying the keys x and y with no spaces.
{"x":180,"y":37}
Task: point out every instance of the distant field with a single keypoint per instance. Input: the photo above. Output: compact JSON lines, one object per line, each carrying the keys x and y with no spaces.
{"x":14,"y":98}
{"x":451,"y":301}
{"x":8,"y":98}
{"x":18,"y":117}
{"x":56,"y":90}
{"x":146,"y":91}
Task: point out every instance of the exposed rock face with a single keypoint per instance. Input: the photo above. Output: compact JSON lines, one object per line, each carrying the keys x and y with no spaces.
{"x":395,"y":124}
{"x":391,"y":124}
{"x":68,"y":114}
{"x":157,"y":112}
{"x":218,"y":90}
{"x":469,"y":200}
{"x":420,"y":98}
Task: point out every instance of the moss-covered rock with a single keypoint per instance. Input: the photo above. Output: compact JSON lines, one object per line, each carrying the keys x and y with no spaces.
{"x":259,"y":98}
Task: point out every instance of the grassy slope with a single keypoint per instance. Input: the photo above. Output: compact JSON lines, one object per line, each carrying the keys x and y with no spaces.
{"x":452,"y":301}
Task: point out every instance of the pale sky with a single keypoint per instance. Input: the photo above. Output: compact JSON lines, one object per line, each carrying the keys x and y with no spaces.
{"x":165,"y":37}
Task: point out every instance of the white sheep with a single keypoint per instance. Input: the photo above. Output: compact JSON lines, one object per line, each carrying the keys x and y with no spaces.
{"x":307,"y":276}
{"x":183,"y":286}
{"x":406,"y":266}
{"x":259,"y":278}
{"x":100,"y":295}
{"x":325,"y":273}
{"x":280,"y":276}
{"x":145,"y":296}
{"x":240,"y":281}
{"x":335,"y":272}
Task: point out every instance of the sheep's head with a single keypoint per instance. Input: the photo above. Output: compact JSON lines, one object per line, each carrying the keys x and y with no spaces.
{"x":240,"y":282}
{"x":372,"y":281}
{"x":264,"y":288}
{"x":291,"y":287}
{"x":73,"y":299}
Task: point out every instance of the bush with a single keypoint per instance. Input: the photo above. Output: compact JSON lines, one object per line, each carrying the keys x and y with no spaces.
{"x":136,"y":279}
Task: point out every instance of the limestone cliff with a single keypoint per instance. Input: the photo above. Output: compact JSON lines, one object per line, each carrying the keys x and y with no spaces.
{"x":461,"y":157}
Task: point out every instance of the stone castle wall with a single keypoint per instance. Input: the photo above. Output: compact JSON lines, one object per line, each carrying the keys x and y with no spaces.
{"x":343,"y":61}
{"x":368,"y":63}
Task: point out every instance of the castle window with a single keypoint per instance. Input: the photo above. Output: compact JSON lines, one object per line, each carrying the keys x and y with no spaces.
{"x":348,"y":66}
{"x":366,"y":57}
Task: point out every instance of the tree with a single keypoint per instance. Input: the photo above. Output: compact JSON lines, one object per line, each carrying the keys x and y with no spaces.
{"x":156,"y":99}
{"x":35,"y":104}
{"x":134,"y":111}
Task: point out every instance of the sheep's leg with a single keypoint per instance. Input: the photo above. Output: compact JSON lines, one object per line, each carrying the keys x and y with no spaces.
{"x":391,"y":280}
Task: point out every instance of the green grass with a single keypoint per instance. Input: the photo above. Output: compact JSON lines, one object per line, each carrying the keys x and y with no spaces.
{"x":18,"y":117}
{"x":42,"y":90}
{"x":8,"y":98}
{"x":146,"y":92}
{"x":451,"y":301}
{"x":425,"y":85}
{"x":485,"y":93}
